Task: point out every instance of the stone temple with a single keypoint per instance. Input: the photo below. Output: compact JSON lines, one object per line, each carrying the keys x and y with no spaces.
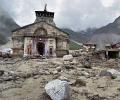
{"x":41,"y":38}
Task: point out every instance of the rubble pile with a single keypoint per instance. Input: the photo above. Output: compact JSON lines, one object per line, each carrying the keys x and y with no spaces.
{"x":67,"y":78}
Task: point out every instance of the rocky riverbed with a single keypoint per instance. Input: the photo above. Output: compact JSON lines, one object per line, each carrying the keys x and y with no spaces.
{"x":25,"y":79}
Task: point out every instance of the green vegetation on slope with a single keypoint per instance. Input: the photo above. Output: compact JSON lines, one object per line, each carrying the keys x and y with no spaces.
{"x":74,"y":46}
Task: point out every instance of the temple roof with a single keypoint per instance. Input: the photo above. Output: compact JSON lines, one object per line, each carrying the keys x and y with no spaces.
{"x":39,"y":22}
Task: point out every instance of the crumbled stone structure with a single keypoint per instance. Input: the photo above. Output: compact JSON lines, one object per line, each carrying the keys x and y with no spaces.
{"x":111,"y":51}
{"x":90,"y":47}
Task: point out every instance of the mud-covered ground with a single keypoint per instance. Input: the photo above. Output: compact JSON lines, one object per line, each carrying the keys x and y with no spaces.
{"x":25,"y":79}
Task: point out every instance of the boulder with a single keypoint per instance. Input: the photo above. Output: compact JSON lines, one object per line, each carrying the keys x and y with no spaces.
{"x":80,"y":65}
{"x":96,"y":97}
{"x":68,"y":58}
{"x":114,"y":72}
{"x":108,"y":74}
{"x":63,"y":78}
{"x":54,"y":72}
{"x":59,"y":69}
{"x":85,"y":73}
{"x":84,"y":92}
{"x":1,"y":72}
{"x":79,"y":82}
{"x":87,"y":64}
{"x":68,"y":67}
{"x":66,"y":63}
{"x":36,"y":77}
{"x":58,"y":90}
{"x":74,"y":62}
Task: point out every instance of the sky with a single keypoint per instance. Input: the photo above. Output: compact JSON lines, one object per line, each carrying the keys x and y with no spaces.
{"x":74,"y":14}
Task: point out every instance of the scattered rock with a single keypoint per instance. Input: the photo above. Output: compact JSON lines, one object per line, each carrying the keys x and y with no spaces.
{"x":1,"y":72}
{"x":66,"y":62}
{"x":87,"y":63}
{"x":56,"y":76}
{"x":84,"y":92}
{"x":105,"y":73}
{"x":74,"y":62}
{"x":114,"y":72}
{"x":108,"y":74}
{"x":59,"y":69}
{"x":82,"y":80}
{"x":68,"y":67}
{"x":11,"y":73}
{"x":79,"y":82}
{"x":43,"y":72}
{"x":68,"y":58}
{"x":45,"y":96}
{"x":72,"y":82}
{"x":55,"y":72}
{"x":96,"y":97}
{"x":85,"y":73}
{"x":80,"y":65}
{"x":63,"y":78}
{"x":36,"y":77}
{"x":103,"y":82}
{"x":58,"y":90}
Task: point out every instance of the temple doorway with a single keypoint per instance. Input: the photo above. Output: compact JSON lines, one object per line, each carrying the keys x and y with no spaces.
{"x":40,"y":48}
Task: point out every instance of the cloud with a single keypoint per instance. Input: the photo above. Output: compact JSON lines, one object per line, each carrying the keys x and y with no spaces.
{"x":77,"y":14}
{"x":107,"y":3}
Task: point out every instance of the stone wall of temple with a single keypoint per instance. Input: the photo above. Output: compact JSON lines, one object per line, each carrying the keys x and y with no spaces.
{"x":52,"y":44}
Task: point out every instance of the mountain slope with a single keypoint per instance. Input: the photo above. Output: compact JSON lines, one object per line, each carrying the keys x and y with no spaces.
{"x":110,"y":28}
{"x":108,"y":34}
{"x":81,"y":37}
{"x":7,"y":24}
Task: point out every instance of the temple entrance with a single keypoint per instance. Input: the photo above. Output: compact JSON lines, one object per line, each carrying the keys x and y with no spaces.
{"x":40,"y":48}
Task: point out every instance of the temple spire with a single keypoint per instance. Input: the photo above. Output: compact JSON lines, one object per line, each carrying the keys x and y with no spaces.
{"x":45,"y":9}
{"x":45,"y":16}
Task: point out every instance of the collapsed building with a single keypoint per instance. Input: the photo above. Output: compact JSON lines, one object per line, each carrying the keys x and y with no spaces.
{"x":111,"y":51}
{"x":90,"y":47}
{"x":40,"y":38}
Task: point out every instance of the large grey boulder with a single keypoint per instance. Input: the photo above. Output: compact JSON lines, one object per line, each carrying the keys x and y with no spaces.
{"x":58,"y":90}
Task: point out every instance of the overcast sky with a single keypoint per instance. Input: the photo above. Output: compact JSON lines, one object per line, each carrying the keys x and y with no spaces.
{"x":74,"y":14}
